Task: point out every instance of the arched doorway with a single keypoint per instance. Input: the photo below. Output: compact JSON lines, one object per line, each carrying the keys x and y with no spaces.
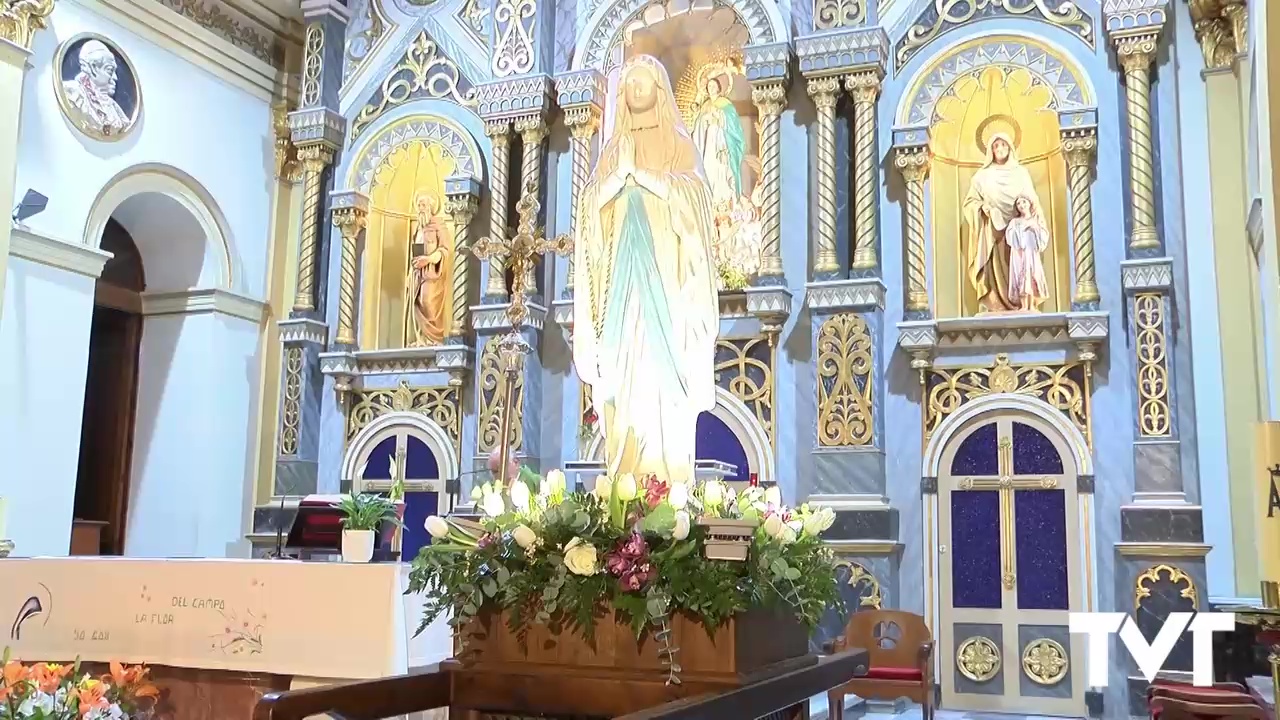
{"x":1010,"y":567}
{"x":411,"y":447}
{"x":110,"y":400}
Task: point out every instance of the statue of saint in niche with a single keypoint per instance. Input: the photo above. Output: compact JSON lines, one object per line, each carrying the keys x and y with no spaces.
{"x":1007,"y":233}
{"x":646,"y":308}
{"x":426,"y":317}
{"x":717,"y":131}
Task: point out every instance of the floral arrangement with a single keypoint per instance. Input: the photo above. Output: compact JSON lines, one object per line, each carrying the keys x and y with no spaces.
{"x":45,"y":691}
{"x":637,"y":547}
{"x":587,"y":426}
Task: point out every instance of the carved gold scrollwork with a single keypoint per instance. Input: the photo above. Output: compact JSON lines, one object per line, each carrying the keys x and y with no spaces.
{"x":492,"y":377}
{"x":947,"y":14}
{"x":1045,"y":661}
{"x":472,"y":15}
{"x":845,"y":414}
{"x":1154,"y":416}
{"x":832,"y":14}
{"x":744,"y":367}
{"x":362,"y":43}
{"x":291,"y":408}
{"x":312,"y":64}
{"x":978,"y":659}
{"x":438,"y":403}
{"x":288,"y":167}
{"x":514,"y":20}
{"x":866,"y":583}
{"x":1065,"y":387}
{"x":424,"y":71}
{"x":1176,"y":577}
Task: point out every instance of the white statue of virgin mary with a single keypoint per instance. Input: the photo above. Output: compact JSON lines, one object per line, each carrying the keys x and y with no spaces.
{"x":646,"y":310}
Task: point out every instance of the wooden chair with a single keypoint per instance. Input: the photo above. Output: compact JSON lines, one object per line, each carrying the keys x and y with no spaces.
{"x":900,"y":651}
{"x":1173,"y":699}
{"x":1170,"y":708}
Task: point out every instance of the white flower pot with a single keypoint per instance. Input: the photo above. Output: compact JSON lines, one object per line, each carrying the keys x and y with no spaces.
{"x":357,"y":546}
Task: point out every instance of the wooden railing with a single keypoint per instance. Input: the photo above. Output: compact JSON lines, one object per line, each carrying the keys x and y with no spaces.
{"x":432,"y":688}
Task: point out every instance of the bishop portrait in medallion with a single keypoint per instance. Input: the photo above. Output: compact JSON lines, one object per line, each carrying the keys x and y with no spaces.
{"x":646,"y":309}
{"x":97,"y":90}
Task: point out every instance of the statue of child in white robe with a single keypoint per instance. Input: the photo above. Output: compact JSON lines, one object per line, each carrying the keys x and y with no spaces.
{"x":646,"y":311}
{"x":1028,"y":238}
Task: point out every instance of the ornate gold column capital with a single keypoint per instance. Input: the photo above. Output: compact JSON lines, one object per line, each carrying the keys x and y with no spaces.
{"x":1080,"y":147}
{"x":315,"y":157}
{"x":769,"y":98}
{"x":1222,"y":29}
{"x":912,"y":163}
{"x":498,"y":131}
{"x":1137,"y":52}
{"x":583,"y":121}
{"x":20,"y":19}
{"x":532,"y":129}
{"x":825,"y":91}
{"x":864,"y":85}
{"x":288,"y":166}
{"x":350,"y":213}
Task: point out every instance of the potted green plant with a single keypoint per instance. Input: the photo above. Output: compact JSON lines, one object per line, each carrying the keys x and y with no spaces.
{"x":362,"y":515}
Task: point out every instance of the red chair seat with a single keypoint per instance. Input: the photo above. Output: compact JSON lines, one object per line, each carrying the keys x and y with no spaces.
{"x":894,"y":673}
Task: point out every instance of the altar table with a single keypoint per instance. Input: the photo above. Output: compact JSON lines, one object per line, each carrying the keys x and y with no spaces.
{"x":262,"y":624}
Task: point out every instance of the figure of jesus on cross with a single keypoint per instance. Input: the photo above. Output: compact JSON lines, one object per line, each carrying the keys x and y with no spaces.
{"x":520,"y":253}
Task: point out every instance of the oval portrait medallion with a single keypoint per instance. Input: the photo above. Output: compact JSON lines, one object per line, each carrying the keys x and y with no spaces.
{"x":97,"y":87}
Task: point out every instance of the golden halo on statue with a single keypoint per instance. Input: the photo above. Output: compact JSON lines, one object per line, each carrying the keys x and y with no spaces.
{"x":994,"y":124}
{"x":691,"y":87}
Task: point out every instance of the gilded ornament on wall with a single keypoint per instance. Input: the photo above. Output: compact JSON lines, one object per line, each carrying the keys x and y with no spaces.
{"x":361,"y":44}
{"x":1173,"y":575}
{"x":492,"y":380}
{"x":744,"y":367}
{"x":20,"y":19}
{"x":865,"y":583}
{"x":945,"y":15}
{"x":440,"y":404}
{"x":1064,"y":387}
{"x":836,"y":14}
{"x":472,"y":15}
{"x":291,"y":407}
{"x":312,"y":64}
{"x":97,"y":87}
{"x":978,"y":659}
{"x":1155,"y":419}
{"x":1045,"y":661}
{"x":514,"y":22}
{"x":845,"y":382}
{"x":424,"y":72}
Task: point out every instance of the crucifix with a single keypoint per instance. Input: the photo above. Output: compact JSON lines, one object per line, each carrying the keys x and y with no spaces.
{"x":525,"y":245}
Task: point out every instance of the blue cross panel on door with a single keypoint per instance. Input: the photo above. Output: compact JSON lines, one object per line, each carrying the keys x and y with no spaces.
{"x":420,"y":463}
{"x":1008,"y":517}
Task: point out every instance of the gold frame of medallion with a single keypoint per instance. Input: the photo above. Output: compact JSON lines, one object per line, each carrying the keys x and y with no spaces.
{"x":1023,"y":671}
{"x":58,"y":92}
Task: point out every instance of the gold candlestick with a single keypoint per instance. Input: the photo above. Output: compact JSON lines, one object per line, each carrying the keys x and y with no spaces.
{"x":519,"y":253}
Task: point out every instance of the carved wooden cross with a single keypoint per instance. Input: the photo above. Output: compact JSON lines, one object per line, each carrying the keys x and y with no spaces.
{"x":525,"y":245}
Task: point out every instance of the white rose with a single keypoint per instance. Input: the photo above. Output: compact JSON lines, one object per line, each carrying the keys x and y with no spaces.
{"x":683,"y":522}
{"x":524,"y":536}
{"x":773,"y":496}
{"x":773,"y":526}
{"x":679,"y":495}
{"x":713,"y":492}
{"x":492,"y":505}
{"x":625,"y":487}
{"x":580,"y":557}
{"x":437,"y":526}
{"x":520,"y":495}
{"x":604,"y":487}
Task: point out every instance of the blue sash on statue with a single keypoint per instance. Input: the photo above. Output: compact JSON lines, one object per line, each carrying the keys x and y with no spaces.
{"x":636,"y":280}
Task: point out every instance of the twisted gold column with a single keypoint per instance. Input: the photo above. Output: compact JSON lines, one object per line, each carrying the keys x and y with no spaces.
{"x":461,"y":210}
{"x":769,"y":99}
{"x":865,"y":87}
{"x":1080,"y":147}
{"x":532,"y":131}
{"x":824,"y":91}
{"x":349,"y":221}
{"x":1137,"y":54}
{"x":499,"y":132}
{"x":913,"y":163}
{"x":582,"y":123}
{"x":314,"y":158}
